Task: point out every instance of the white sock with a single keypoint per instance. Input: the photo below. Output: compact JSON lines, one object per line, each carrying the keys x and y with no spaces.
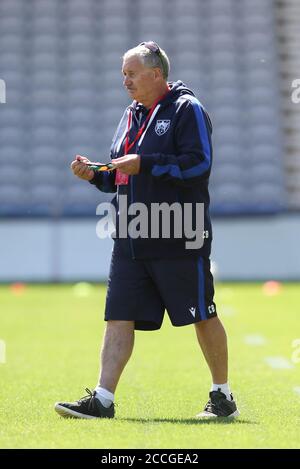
{"x":224,"y":388}
{"x":105,"y":397}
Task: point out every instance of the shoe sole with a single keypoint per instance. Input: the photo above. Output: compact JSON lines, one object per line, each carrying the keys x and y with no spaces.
{"x":209,"y":415}
{"x":68,"y":413}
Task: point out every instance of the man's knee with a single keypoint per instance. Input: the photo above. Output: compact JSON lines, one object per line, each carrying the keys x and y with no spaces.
{"x":206,"y":323}
{"x":120,"y":325}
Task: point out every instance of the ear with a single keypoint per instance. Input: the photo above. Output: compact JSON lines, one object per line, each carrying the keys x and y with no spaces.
{"x":157,"y":73}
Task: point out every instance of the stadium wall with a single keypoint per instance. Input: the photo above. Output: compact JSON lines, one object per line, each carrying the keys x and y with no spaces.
{"x":69,"y":250}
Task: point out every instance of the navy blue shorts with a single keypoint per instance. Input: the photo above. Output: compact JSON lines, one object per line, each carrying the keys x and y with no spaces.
{"x":141,"y":291}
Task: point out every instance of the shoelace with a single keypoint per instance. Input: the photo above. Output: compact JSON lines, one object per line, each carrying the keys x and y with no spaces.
{"x":89,"y":399}
{"x":209,"y":406}
{"x":214,"y":407}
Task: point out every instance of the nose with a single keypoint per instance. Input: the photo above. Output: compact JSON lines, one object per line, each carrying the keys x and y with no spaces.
{"x":126,"y":81}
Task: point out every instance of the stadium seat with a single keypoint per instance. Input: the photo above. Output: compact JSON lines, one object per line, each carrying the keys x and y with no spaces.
{"x":81,"y":199}
{"x":263,"y":134}
{"x":13,"y":154}
{"x":43,"y":25}
{"x":78,"y":8}
{"x":221,"y":7}
{"x":267,"y":152}
{"x":46,"y":200}
{"x":228,"y":114}
{"x":11,"y":173}
{"x":12,"y":62}
{"x":268,"y":193}
{"x":46,"y":43}
{"x":148,"y":8}
{"x":46,"y":174}
{"x":11,"y":43}
{"x":44,"y":61}
{"x":44,"y":135}
{"x":266,"y":172}
{"x":12,"y":117}
{"x":46,"y":7}
{"x":15,"y":201}
{"x":111,"y":8}
{"x":224,"y":77}
{"x":227,"y":134}
{"x":11,"y":134}
{"x":11,"y":8}
{"x":45,"y":79}
{"x":44,"y":116}
{"x":229,"y":194}
{"x":11,"y":24}
{"x":229,"y":172}
{"x":229,"y":153}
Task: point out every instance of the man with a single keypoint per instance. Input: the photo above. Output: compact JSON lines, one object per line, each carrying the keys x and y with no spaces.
{"x":161,"y":152}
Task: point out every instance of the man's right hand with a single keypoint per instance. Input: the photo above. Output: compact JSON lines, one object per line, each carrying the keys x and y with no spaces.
{"x":80,"y":169}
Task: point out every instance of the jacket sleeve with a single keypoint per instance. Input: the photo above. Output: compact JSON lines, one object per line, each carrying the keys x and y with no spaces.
{"x":193,"y":158}
{"x":104,"y":181}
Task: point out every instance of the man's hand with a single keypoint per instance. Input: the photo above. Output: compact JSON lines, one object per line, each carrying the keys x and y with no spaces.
{"x":128,"y":164}
{"x":80,"y":169}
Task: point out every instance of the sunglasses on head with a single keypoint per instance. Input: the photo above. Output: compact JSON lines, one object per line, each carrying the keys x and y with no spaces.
{"x":151,"y":45}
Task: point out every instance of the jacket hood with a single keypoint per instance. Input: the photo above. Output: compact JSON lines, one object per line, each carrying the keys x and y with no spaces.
{"x":177,"y":89}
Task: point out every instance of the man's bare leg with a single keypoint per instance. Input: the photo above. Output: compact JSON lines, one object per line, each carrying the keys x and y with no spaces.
{"x":213,"y":342}
{"x":116,"y":351}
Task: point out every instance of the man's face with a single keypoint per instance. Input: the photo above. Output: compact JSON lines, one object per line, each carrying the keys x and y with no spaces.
{"x":138,"y":79}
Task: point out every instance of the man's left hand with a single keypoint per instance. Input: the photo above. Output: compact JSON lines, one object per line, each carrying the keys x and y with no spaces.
{"x":128,"y":164}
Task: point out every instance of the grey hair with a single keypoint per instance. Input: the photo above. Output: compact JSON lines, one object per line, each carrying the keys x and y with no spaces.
{"x":150,"y":59}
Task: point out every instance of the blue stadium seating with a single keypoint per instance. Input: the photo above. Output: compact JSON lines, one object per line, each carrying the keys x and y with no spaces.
{"x":62,"y":65}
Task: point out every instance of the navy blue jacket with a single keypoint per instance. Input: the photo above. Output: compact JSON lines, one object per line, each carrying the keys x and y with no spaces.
{"x":176,"y":158}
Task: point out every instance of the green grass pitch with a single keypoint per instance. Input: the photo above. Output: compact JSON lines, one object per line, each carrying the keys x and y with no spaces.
{"x":53,"y":334}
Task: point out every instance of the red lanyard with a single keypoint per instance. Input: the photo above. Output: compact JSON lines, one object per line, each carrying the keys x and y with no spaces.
{"x":128,"y":145}
{"x":121,"y":178}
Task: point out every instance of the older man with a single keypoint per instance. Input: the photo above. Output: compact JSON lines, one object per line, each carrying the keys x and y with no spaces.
{"x":161,"y":153}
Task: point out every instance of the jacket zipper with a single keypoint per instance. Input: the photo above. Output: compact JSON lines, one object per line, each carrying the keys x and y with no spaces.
{"x":137,"y":149}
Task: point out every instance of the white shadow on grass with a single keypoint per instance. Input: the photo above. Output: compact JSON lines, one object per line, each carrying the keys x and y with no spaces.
{"x":2,"y":352}
{"x":226,"y":310}
{"x":279,"y":363}
{"x":255,"y":340}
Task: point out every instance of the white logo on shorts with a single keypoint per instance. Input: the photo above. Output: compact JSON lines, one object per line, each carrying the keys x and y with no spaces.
{"x":162,"y":126}
{"x":192,"y":310}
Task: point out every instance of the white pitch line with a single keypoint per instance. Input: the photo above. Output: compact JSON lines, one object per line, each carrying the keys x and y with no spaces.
{"x":2,"y":351}
{"x":225,"y":293}
{"x":279,"y":363}
{"x":227,"y":311}
{"x":297,"y":390}
{"x":255,"y":340}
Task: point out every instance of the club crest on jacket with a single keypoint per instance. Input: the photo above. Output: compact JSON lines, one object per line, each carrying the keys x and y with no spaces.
{"x":162,"y":126}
